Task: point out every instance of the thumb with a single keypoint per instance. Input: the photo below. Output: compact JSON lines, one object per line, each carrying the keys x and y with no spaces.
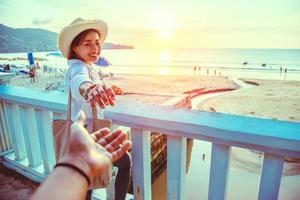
{"x":80,"y":118}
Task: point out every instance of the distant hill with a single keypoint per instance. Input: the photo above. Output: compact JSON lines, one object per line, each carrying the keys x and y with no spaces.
{"x":14,"y":40}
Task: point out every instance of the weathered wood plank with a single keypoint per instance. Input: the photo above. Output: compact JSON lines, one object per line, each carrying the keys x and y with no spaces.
{"x":43,"y":119}
{"x":176,"y":164}
{"x":141,"y":160}
{"x":31,"y":136}
{"x":15,"y":130}
{"x":219,"y":167}
{"x":270,"y":176}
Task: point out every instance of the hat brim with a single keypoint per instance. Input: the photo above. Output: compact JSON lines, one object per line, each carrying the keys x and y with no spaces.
{"x":68,"y":34}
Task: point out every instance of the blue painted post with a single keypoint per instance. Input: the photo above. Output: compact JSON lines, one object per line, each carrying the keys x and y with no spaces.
{"x":15,"y":129}
{"x":176,"y":168}
{"x":141,"y":160}
{"x":31,"y":136}
{"x":4,"y":133}
{"x":270,"y":176}
{"x":219,"y":167}
{"x":43,"y":119}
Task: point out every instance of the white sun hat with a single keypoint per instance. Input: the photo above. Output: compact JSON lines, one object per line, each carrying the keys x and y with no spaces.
{"x":68,"y":33}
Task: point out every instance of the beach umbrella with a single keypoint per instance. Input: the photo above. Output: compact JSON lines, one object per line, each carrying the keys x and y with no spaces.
{"x":30,"y":58}
{"x":103,"y":62}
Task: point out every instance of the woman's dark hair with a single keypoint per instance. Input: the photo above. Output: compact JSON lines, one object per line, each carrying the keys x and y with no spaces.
{"x":78,"y":40}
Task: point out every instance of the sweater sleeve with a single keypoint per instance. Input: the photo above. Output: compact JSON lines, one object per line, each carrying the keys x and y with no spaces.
{"x":78,"y":75}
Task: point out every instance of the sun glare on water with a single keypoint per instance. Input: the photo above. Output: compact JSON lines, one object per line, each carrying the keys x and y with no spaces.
{"x":164,"y":55}
{"x":164,"y":71}
{"x":165,"y":59}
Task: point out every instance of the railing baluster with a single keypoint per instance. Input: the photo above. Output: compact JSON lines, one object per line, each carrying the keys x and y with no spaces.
{"x":141,"y":158}
{"x":15,"y":129}
{"x":4,"y":133}
{"x":219,"y":167}
{"x":43,"y":119}
{"x":270,"y":176}
{"x":31,"y":136}
{"x":176,"y":165}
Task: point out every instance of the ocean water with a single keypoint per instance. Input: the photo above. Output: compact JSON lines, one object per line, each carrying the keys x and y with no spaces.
{"x":227,"y":62}
{"x":261,"y":63}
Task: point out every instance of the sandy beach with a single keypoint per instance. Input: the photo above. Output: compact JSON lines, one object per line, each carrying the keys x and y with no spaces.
{"x":154,"y":89}
{"x":267,"y":99}
{"x":272,"y":99}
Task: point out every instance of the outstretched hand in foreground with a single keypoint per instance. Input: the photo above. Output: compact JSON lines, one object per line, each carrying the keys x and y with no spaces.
{"x":92,"y":153}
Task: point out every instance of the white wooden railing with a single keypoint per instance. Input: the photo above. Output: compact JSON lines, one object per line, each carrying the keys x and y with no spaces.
{"x":29,"y":113}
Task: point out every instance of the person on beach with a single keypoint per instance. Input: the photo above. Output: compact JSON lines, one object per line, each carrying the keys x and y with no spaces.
{"x":81,"y":43}
{"x":37,"y":65}
{"x":7,"y":68}
{"x":32,"y":74}
{"x":285,"y":73}
{"x":87,"y":157}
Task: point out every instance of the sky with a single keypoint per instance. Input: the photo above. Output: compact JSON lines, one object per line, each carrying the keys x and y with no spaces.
{"x":169,"y":23}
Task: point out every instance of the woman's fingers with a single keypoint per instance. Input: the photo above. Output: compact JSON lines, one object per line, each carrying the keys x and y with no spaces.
{"x":100,"y":102}
{"x":111,"y":101}
{"x":109,"y":92}
{"x":117,"y":154}
{"x":102,"y":95}
{"x":111,"y":95}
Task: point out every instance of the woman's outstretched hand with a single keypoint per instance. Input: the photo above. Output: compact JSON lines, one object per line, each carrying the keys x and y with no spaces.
{"x":98,"y":93}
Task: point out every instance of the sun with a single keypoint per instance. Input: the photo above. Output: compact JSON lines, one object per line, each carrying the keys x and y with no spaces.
{"x":164,"y":26}
{"x":165,"y":29}
{"x":164,"y":33}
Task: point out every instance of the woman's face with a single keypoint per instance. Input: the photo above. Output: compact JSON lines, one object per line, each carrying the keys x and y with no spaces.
{"x":89,"y":48}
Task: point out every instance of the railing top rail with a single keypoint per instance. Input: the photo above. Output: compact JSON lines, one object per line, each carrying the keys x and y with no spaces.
{"x":50,"y":100}
{"x":248,"y":132}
